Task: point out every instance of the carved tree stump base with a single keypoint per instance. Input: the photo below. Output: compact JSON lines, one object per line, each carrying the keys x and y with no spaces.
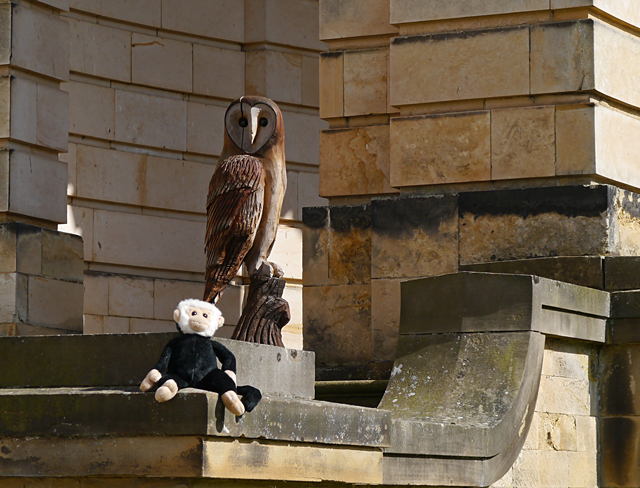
{"x":265,"y":313}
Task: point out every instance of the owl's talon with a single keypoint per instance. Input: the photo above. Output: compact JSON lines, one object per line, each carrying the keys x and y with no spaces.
{"x":276,"y":271}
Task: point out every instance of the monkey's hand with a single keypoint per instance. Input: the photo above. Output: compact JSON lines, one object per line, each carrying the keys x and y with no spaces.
{"x":151,"y":379}
{"x":232,"y":375}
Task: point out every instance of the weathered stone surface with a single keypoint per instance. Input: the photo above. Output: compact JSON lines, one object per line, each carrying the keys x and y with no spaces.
{"x":575,"y":140}
{"x":618,"y":458}
{"x":562,"y":57}
{"x":365,"y":82}
{"x":160,"y":62}
{"x":403,"y":11}
{"x":564,"y":395}
{"x":586,"y":427}
{"x":14,"y":299}
{"x":355,"y":161}
{"x":622,"y":273}
{"x":331,"y":84}
{"x":287,"y":251}
{"x":62,"y":256}
{"x":96,"y":294}
{"x":579,"y":270}
{"x":528,"y":223}
{"x":385,"y":318}
{"x":350,"y":244}
{"x":315,"y":246}
{"x":354,"y":18}
{"x":282,"y":372}
{"x":523,"y":143}
{"x":209,"y":79}
{"x":92,"y":110}
{"x":145,"y":12}
{"x":130,"y":297}
{"x":54,"y":303}
{"x":440,"y":149}
{"x":274,"y":74}
{"x":219,"y":20}
{"x":22,"y":109}
{"x":310,"y":81}
{"x":568,"y":359}
{"x":337,"y":324}
{"x":303,"y":136}
{"x":558,"y":432}
{"x":413,"y":237}
{"x":52,"y":117}
{"x":459,"y":66}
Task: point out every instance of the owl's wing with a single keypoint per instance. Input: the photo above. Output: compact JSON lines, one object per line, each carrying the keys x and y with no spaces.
{"x":234,"y":210}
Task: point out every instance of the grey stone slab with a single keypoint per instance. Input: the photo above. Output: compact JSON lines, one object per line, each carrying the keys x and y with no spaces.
{"x":125,"y":359}
{"x":98,"y":412}
{"x":622,"y":273}
{"x":625,"y":304}
{"x":618,"y":366}
{"x":624,"y":331}
{"x":618,"y":438}
{"x":579,"y":270}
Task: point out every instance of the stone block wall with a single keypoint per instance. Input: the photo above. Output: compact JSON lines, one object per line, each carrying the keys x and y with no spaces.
{"x":149,"y":83}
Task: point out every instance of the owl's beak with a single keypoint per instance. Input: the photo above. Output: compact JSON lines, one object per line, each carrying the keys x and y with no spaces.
{"x":255,"y":111}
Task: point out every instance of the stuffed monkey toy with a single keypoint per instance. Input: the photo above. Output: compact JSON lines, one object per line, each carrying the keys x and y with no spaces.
{"x":190,"y":360}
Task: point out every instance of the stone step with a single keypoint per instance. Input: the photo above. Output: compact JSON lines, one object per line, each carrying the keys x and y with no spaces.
{"x":123,"y":360}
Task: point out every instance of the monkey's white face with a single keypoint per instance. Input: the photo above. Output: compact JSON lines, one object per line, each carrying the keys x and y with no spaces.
{"x":193,"y":319}
{"x":250,"y":127}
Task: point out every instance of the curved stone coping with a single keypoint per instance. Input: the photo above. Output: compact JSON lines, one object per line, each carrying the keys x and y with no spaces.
{"x":99,"y":411}
{"x":124,"y":360}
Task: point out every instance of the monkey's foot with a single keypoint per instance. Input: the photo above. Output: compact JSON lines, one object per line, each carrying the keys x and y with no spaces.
{"x":233,"y":403}
{"x":151,"y":379}
{"x":167,"y":391}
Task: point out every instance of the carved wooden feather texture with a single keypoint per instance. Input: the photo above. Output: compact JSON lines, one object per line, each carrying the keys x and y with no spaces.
{"x":234,"y":210}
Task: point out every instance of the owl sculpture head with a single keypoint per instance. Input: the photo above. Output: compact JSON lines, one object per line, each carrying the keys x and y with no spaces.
{"x":254,"y":124}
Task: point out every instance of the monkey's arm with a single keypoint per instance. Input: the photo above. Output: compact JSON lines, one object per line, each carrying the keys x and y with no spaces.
{"x":158,"y":370}
{"x":227,"y":359}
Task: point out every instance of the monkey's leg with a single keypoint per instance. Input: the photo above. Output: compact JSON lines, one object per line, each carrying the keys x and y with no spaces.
{"x":219,"y":382}
{"x":250,"y":397}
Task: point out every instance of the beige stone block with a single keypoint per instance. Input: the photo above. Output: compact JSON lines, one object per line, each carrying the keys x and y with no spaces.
{"x":350,"y":245}
{"x":91,"y":110}
{"x":5,"y":106}
{"x":70,"y":158}
{"x":365,"y":82}
{"x":62,"y":256}
{"x":583,"y":469}
{"x":167,"y":294}
{"x":122,"y":238}
{"x":406,"y":11}
{"x":303,"y":137}
{"x":523,"y":143}
{"x":616,"y":62}
{"x":315,"y":246}
{"x":38,"y":186}
{"x":176,"y":184}
{"x":355,"y":161}
{"x":575,"y":140}
{"x":40,"y":42}
{"x":92,"y":324}
{"x":54,"y":303}
{"x":23,"y":110}
{"x":292,"y":337}
{"x":290,"y":209}
{"x":337,"y":324}
{"x":208,"y":77}
{"x":59,"y":4}
{"x":109,"y":175}
{"x":29,"y":254}
{"x":162,"y":63}
{"x":52,"y":117}
{"x":231,"y":303}
{"x":80,"y":222}
{"x":4,"y":180}
{"x":532,"y":441}
{"x":308,"y":191}
{"x":587,"y":432}
{"x":5,"y":34}
{"x":354,"y":18}
{"x":554,"y":469}
{"x":14,"y":298}
{"x":440,"y":149}
{"x":567,"y":361}
{"x":288,"y":22}
{"x":617,"y":146}
{"x":8,"y":250}
{"x":506,"y":481}
{"x":564,"y":395}
{"x":460,"y":66}
{"x":385,"y":318}
{"x":414,"y":237}
{"x":115,"y":325}
{"x":151,"y":121}
{"x":223,"y":19}
{"x":562,"y":57}
{"x":144,"y":12}
{"x":274,"y":74}
{"x":526,"y":470}
{"x":100,"y":51}
{"x":331,"y":84}
{"x":146,"y":325}
{"x":558,"y":432}
{"x":205,"y":128}
{"x":287,"y":251}
{"x":293,"y":295}
{"x":131,"y":297}
{"x":310,"y":81}
{"x":96,"y":294}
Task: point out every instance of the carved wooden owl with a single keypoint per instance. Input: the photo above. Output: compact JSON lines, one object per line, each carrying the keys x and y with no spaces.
{"x":245,"y":194}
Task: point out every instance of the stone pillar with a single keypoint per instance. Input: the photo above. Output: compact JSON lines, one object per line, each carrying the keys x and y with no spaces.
{"x":471,"y":132}
{"x":41,"y":270}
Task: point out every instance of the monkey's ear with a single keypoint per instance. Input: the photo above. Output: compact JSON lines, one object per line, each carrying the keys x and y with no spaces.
{"x":176,"y":315}
{"x":221,"y":321}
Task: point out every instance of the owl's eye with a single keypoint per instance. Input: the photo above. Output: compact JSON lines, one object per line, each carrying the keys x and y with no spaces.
{"x":243,"y":122}
{"x":263,"y":122}
{"x":205,"y":315}
{"x":194,"y":313}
